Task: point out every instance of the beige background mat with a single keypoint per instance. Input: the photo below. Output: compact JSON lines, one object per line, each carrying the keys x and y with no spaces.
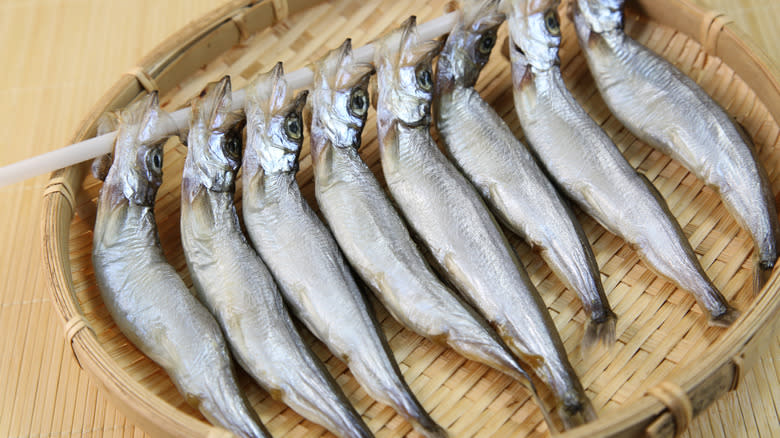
{"x":58,"y":57}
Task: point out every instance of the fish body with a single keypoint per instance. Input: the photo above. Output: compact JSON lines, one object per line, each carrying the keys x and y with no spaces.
{"x":144,"y":294}
{"x":506,"y":174}
{"x":589,"y":168}
{"x":369,"y":230}
{"x":303,"y":256}
{"x":235,"y":284}
{"x":669,"y":111}
{"x":449,"y":216}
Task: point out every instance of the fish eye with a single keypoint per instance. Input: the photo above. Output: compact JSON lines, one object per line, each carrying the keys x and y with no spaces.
{"x":232,"y":147}
{"x":551,"y":22}
{"x":358,"y":102}
{"x":424,"y":78}
{"x":487,"y":42}
{"x":292,"y":125}
{"x":154,"y":159}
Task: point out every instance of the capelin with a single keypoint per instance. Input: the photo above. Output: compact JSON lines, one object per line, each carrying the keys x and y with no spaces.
{"x":339,"y":99}
{"x":136,"y":170}
{"x":404,"y":76}
{"x":215,"y":139}
{"x":534,"y":33}
{"x":468,"y":45}
{"x":274,"y":124}
{"x":600,"y":15}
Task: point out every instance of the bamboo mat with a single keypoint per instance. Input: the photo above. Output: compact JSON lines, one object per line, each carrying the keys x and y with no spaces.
{"x":59,"y":58}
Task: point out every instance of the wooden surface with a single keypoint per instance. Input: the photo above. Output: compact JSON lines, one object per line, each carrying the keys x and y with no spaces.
{"x":59,"y":58}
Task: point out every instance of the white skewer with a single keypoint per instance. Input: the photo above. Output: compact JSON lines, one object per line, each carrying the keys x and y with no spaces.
{"x":103,"y":144}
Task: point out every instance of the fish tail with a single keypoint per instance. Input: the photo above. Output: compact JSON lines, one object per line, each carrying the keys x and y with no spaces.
{"x":415,"y":414}
{"x":543,"y":405}
{"x":228,"y":407}
{"x":385,"y":383}
{"x":724,"y":318}
{"x":599,"y":334}
{"x":428,"y":428}
{"x":762,"y":270}
{"x":575,"y":411}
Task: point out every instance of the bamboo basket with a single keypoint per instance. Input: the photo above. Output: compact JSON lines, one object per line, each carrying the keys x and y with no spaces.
{"x":667,"y":365}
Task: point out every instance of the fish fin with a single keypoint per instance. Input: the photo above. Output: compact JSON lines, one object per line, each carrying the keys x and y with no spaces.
{"x":373,"y":91}
{"x":505,"y":49}
{"x":599,"y":336}
{"x":576,"y":412}
{"x":726,"y":318}
{"x":548,"y":418}
{"x":482,"y":15}
{"x":761,"y":273}
{"x":430,"y":429}
{"x":451,"y":6}
{"x":108,"y":122}
{"x":146,"y":121}
{"x":340,"y":69}
{"x":101,"y":166}
{"x":413,"y":51}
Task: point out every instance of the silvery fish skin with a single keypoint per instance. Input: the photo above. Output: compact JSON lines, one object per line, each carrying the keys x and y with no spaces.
{"x":370,"y":231}
{"x":506,"y":174}
{"x":234,"y":283}
{"x":588,"y":167}
{"x":670,"y":112}
{"x":303,"y":256}
{"x":144,"y":294}
{"x":449,"y":216}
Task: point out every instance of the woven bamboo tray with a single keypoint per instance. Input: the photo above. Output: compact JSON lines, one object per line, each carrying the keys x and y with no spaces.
{"x":667,"y":365}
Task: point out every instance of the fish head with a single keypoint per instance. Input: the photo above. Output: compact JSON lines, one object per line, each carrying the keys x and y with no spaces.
{"x":534,"y":33}
{"x":339,"y":99}
{"x":600,"y":15}
{"x":274,"y":131}
{"x":215,"y":138}
{"x":136,"y":170}
{"x":405,"y":75}
{"x":469,"y":44}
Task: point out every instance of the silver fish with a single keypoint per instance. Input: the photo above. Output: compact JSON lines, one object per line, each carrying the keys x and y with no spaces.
{"x":449,"y":216}
{"x":143,"y":293}
{"x":670,"y":112}
{"x":235,"y":284}
{"x":304,"y":257}
{"x":588,"y":167}
{"x":369,"y":230}
{"x":506,"y":175}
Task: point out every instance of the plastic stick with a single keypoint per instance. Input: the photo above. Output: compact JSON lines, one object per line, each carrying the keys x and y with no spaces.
{"x":103,"y":144}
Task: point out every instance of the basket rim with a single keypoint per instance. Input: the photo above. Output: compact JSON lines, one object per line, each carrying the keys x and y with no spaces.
{"x":710,"y":379}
